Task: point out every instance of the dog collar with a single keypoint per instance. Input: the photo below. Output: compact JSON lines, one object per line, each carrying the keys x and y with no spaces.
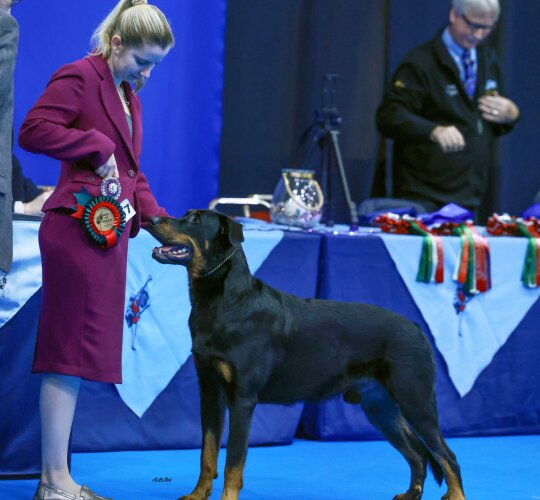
{"x":214,"y":269}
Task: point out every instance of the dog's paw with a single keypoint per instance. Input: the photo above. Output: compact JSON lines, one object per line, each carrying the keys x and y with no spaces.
{"x":416,"y":494}
{"x":453,"y":496}
{"x":197,"y":495}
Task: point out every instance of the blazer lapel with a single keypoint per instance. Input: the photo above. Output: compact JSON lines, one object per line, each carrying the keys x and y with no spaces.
{"x":113,"y":106}
{"x":116,"y":112}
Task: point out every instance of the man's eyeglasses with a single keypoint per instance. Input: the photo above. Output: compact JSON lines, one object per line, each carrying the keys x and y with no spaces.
{"x":475,"y":26}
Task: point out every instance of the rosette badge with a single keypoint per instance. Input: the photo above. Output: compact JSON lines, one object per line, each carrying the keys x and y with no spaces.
{"x":110,"y":186}
{"x":103,"y":217}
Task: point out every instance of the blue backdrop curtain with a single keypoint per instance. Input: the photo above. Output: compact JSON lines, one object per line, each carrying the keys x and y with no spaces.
{"x":181,"y":102}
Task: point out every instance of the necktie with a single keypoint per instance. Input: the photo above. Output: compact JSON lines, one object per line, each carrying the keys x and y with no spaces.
{"x":469,"y":73}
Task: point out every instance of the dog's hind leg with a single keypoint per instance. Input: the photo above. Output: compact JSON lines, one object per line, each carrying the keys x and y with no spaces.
{"x":240,"y":414}
{"x":384,"y":414}
{"x":213,"y":406}
{"x":418,"y":405}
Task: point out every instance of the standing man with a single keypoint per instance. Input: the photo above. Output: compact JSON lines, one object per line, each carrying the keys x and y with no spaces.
{"x":443,"y":108}
{"x":9,"y":38}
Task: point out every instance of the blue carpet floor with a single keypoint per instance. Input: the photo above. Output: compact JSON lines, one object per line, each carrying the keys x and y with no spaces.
{"x":496,"y":468}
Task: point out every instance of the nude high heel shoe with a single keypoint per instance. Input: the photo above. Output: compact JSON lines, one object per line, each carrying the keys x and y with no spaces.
{"x":48,"y":492}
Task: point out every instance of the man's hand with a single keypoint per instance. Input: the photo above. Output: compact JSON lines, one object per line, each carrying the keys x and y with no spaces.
{"x":498,"y":109}
{"x":449,"y":139}
{"x":34,"y":207}
{"x":108,"y":169}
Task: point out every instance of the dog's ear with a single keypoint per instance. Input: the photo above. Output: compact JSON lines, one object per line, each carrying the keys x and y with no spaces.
{"x":231,"y":230}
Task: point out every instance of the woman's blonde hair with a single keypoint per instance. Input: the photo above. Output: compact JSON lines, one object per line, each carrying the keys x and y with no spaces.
{"x":137,"y":23}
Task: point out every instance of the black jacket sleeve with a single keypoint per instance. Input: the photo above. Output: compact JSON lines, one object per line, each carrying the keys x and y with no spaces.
{"x":400,"y":114}
{"x":24,"y":189}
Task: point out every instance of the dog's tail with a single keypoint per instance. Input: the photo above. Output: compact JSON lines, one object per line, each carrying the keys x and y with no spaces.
{"x":436,"y":469}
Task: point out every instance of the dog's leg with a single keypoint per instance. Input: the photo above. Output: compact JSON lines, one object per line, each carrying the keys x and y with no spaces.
{"x":418,"y":405}
{"x":384,"y":414}
{"x":240,"y":415}
{"x":213,"y":405}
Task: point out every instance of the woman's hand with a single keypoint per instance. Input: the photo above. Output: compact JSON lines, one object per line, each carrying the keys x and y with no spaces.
{"x":108,"y":169}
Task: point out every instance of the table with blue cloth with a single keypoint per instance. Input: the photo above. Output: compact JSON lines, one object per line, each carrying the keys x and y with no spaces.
{"x":488,"y":359}
{"x":503,"y":397}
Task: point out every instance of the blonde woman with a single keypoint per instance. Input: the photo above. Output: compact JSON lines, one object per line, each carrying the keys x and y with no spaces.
{"x":89,"y":118}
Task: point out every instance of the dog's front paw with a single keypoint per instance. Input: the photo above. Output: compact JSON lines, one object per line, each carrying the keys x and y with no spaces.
{"x":416,"y":494}
{"x":453,"y":496}
{"x":197,"y":494}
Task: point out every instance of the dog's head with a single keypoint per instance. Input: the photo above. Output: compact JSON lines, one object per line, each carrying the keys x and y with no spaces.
{"x":198,"y":240}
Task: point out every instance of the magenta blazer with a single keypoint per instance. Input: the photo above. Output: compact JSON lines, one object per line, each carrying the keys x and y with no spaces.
{"x":80,"y":121}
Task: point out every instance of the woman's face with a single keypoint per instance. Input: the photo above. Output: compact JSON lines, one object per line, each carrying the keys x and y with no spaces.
{"x":132,"y":64}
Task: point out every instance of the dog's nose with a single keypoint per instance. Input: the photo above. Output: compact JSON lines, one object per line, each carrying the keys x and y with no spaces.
{"x":154,"y":221}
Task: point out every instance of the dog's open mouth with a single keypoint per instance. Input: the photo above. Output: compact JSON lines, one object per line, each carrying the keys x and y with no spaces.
{"x":172,"y":254}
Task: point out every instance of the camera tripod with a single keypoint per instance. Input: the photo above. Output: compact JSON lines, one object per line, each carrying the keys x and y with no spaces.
{"x":324,"y":132}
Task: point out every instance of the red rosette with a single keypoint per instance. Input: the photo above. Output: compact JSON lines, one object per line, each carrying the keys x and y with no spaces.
{"x":104,"y":220}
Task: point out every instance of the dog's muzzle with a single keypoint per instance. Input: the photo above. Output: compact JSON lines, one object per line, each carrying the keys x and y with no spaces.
{"x":172,"y":254}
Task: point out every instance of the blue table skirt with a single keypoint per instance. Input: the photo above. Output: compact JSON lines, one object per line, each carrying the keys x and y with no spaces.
{"x":20,"y":451}
{"x":505,"y":399}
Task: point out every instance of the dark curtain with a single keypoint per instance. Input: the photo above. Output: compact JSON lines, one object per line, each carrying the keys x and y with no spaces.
{"x":519,"y":179}
{"x":275,"y":56}
{"x":276,"y":53}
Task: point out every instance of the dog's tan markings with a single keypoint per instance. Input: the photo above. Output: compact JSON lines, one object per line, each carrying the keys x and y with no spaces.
{"x":208,"y":472}
{"x":416,"y":492}
{"x":198,"y":262}
{"x":233,"y":482}
{"x":454,"y":488}
{"x":209,"y":455}
{"x":225,"y":370}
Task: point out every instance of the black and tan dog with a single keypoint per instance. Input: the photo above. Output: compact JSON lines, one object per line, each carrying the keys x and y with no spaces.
{"x":252,"y":343}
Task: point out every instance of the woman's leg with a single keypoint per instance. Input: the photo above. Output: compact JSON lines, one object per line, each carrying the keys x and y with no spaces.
{"x":57,"y":402}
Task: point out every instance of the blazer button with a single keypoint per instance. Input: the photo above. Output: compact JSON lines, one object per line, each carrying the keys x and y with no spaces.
{"x":132,"y":173}
{"x":90,"y":177}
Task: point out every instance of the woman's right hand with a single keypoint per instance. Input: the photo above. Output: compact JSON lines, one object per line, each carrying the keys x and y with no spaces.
{"x":108,"y":169}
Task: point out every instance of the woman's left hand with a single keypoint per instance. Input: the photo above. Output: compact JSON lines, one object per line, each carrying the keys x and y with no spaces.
{"x":108,"y":169}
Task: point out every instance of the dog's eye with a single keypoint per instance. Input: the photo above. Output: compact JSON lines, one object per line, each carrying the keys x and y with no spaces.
{"x":195,"y":218}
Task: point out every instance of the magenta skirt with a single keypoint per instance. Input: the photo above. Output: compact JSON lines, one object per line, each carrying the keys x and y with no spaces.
{"x":82,"y":308}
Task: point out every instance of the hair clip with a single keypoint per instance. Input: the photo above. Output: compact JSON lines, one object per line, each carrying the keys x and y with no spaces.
{"x":138,"y":2}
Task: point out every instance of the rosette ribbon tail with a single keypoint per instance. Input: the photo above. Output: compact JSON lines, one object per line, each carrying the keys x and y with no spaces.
{"x":530,"y":275}
{"x":431,"y":268}
{"x":473,"y":266}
